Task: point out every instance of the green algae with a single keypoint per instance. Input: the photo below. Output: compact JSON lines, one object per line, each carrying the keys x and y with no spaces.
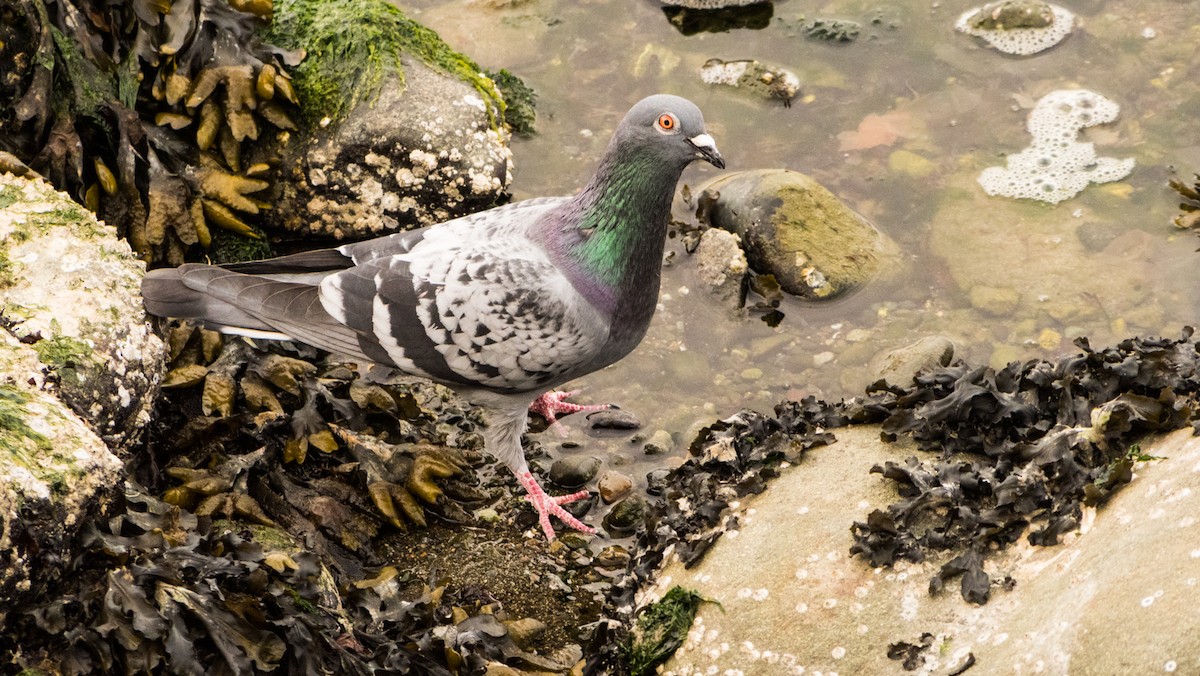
{"x":661,"y":628}
{"x":8,"y":274}
{"x":519,"y":99}
{"x":9,"y":195}
{"x":352,"y":46}
{"x":65,"y":354}
{"x":17,"y":438}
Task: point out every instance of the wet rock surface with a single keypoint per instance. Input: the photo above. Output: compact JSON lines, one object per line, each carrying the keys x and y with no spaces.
{"x":796,"y":230}
{"x":1131,"y":564}
{"x":428,"y":149}
{"x":753,"y":77}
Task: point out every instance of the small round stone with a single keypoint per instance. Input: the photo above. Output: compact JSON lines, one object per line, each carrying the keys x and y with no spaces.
{"x":613,"y":486}
{"x":614,"y":419}
{"x":659,"y":443}
{"x":625,"y":516}
{"x":656,"y":481}
{"x":574,"y":472}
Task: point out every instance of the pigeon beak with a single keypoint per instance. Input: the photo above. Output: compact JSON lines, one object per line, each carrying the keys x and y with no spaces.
{"x":706,"y":149}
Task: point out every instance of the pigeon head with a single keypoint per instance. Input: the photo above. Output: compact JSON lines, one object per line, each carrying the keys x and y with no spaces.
{"x":671,"y":127}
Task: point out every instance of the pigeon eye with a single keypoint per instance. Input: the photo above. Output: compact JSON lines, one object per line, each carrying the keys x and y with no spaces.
{"x":667,"y":122}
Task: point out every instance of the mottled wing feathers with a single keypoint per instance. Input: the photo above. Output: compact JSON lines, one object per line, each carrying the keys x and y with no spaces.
{"x":472,"y":302}
{"x":477,"y":306}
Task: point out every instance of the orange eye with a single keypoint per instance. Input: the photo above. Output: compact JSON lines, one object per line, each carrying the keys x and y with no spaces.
{"x":667,"y":122}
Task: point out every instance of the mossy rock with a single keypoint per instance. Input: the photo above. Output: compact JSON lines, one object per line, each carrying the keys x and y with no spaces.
{"x":796,"y":230}
{"x":55,"y":473}
{"x":354,"y":49}
{"x":70,"y":288}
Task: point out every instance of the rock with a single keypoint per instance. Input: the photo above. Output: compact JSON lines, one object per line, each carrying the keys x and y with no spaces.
{"x":1021,"y":27}
{"x":55,"y":472}
{"x":613,"y":486}
{"x":575,"y":471}
{"x":718,"y":16}
{"x":833,"y":30}
{"x":656,"y":481}
{"x":995,"y":301}
{"x":795,"y":229}
{"x":1096,"y":236}
{"x":1049,"y":339}
{"x":754,"y":77}
{"x":709,"y":4}
{"x":612,"y":556}
{"x":721,"y":264}
{"x":898,"y":367}
{"x":659,"y":443}
{"x":1117,"y":597}
{"x":428,"y":149}
{"x":625,"y":516}
{"x":70,"y":288}
{"x":614,"y":419}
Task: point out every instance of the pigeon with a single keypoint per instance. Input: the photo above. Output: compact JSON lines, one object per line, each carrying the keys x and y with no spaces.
{"x":502,"y":305}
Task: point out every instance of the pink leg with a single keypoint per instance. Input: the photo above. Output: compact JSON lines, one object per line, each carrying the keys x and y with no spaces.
{"x":547,"y":505}
{"x":552,"y":404}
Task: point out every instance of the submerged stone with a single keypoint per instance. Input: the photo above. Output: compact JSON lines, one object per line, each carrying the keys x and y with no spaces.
{"x":795,"y":229}
{"x":574,"y":472}
{"x":717,"y":16}
{"x":1021,"y":27}
{"x":768,"y":82}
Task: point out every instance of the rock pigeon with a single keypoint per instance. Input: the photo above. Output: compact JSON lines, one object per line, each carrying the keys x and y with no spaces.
{"x":501,"y":305}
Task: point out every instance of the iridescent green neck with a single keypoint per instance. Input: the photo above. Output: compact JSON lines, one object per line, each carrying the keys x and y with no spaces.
{"x":625,"y":210}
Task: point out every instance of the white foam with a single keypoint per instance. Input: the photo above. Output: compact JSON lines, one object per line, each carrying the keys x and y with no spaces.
{"x":1020,"y":41}
{"x":1056,"y":166}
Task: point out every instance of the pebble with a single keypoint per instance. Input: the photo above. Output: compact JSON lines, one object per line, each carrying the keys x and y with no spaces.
{"x":612,"y":556}
{"x":613,"y":486}
{"x":614,"y":419}
{"x":625,"y":516}
{"x":752,"y":373}
{"x":899,"y":366}
{"x":659,"y":443}
{"x":574,"y":472}
{"x":995,"y":301}
{"x":1049,"y":339}
{"x":822,"y":358}
{"x":656,"y":481}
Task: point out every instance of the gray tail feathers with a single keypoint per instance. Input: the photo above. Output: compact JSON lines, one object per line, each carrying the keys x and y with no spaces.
{"x":170,"y":292}
{"x":235,"y":302}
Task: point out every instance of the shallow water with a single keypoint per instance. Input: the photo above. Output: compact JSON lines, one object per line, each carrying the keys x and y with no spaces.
{"x":1106,"y":264}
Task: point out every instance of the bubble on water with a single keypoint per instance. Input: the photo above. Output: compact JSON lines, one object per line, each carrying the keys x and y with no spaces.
{"x":1051,"y":170}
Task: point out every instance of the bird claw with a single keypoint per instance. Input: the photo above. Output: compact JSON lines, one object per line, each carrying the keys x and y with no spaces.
{"x":548,"y":504}
{"x":552,"y":404}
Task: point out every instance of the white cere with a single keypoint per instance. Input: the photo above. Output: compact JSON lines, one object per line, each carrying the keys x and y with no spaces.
{"x":1056,"y":166}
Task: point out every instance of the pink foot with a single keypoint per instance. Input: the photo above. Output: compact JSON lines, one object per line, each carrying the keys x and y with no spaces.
{"x":547,"y":505}
{"x":552,"y":404}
